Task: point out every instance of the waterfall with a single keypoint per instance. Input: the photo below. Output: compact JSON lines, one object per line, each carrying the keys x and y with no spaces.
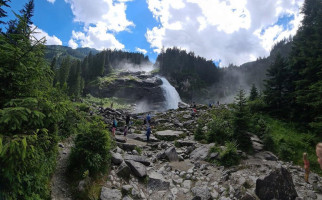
{"x":170,"y":93}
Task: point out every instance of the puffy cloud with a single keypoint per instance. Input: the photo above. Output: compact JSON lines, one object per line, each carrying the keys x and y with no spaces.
{"x":51,"y":1}
{"x":96,"y":37}
{"x":72,"y":44}
{"x":50,"y":40}
{"x":234,"y":31}
{"x":141,"y":50}
{"x":102,"y":19}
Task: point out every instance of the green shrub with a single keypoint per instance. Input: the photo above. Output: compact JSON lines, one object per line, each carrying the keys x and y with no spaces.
{"x":228,"y":155}
{"x":91,"y":151}
{"x":199,"y":133}
{"x":220,"y":131}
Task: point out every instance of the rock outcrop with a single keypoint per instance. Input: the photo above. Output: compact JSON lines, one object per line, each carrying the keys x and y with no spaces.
{"x":277,"y":185}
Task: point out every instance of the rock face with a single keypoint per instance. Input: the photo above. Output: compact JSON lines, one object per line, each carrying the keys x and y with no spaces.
{"x":137,"y":168}
{"x":130,"y":86}
{"x":200,"y":153}
{"x":116,"y":158}
{"x":277,"y":185}
{"x":169,"y":135}
{"x":156,"y":182}
{"x":201,"y":193}
{"x":171,"y":154}
{"x":123,"y":171}
{"x":110,"y":194}
{"x":140,"y":159}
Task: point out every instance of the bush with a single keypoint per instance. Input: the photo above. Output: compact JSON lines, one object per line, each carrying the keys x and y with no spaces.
{"x":228,"y":155}
{"x":92,"y":146}
{"x":220,"y":131}
{"x":199,"y":133}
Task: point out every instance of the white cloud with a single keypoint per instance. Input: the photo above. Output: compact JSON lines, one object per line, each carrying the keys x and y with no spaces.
{"x":229,"y":30}
{"x":95,"y":37}
{"x":102,"y":19}
{"x":141,"y":50}
{"x":51,"y":1}
{"x":50,"y":40}
{"x":72,"y":44}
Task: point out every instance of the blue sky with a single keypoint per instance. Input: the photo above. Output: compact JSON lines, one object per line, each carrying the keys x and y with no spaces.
{"x":230,"y":31}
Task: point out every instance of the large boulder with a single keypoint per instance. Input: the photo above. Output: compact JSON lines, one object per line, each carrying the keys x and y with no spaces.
{"x":183,"y":105}
{"x":277,"y":185}
{"x":171,"y":154}
{"x":169,"y":135}
{"x":137,"y":168}
{"x":201,"y":153}
{"x":116,"y":158}
{"x":201,"y":193}
{"x":186,"y":143}
{"x":126,"y":146}
{"x":123,"y":171}
{"x":141,"y":159}
{"x":110,"y":194}
{"x":157,"y":182}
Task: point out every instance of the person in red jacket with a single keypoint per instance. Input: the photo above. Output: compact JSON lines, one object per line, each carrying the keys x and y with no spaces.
{"x":306,"y":167}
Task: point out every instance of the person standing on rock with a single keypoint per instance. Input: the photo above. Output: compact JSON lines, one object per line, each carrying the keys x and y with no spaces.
{"x":306,"y":167}
{"x":319,"y":153}
{"x":125,"y":132}
{"x":148,"y":119}
{"x":127,"y":120}
{"x":148,"y":133}
{"x":114,"y":125}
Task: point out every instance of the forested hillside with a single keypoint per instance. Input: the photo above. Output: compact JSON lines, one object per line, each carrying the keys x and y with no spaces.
{"x":59,"y":52}
{"x":199,"y":79}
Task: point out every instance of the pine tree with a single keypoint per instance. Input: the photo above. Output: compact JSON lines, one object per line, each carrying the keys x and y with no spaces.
{"x":3,"y":13}
{"x":276,"y":87}
{"x":241,"y":122}
{"x":64,"y":71}
{"x":27,"y":11}
{"x":306,"y":66}
{"x":253,"y":93}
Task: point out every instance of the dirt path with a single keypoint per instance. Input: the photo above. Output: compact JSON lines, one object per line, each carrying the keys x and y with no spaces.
{"x":59,"y":184}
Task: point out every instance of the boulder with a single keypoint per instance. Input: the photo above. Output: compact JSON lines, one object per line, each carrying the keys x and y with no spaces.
{"x":266,"y":155}
{"x":169,"y":135}
{"x":125,"y":146}
{"x":188,"y":123}
{"x":201,"y":193}
{"x":277,"y":185}
{"x":171,"y":154}
{"x":116,"y":158}
{"x":183,"y":105}
{"x":110,"y":194}
{"x":137,"y":168}
{"x":201,"y":153}
{"x":141,"y":159}
{"x":127,"y":189}
{"x":120,"y":139}
{"x":186,"y":143}
{"x":157,"y":182}
{"x":123,"y":171}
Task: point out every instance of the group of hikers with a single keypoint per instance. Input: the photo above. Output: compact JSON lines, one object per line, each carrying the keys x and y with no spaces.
{"x":147,"y":124}
{"x":128,"y":126}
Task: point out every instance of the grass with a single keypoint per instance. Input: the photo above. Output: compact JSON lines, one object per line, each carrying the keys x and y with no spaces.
{"x":106,"y":102}
{"x":290,"y":143}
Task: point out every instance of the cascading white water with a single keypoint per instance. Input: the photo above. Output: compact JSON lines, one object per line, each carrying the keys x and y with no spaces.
{"x":170,"y":93}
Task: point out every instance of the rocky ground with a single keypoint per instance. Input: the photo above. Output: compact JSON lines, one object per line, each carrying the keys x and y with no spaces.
{"x":174,"y":166}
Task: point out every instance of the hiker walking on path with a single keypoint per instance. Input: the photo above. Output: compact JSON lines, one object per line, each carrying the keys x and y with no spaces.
{"x":114,"y":125}
{"x":148,"y":133}
{"x":125,"y":132}
{"x":148,"y":119}
{"x":306,"y":167}
{"x":128,"y":122}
